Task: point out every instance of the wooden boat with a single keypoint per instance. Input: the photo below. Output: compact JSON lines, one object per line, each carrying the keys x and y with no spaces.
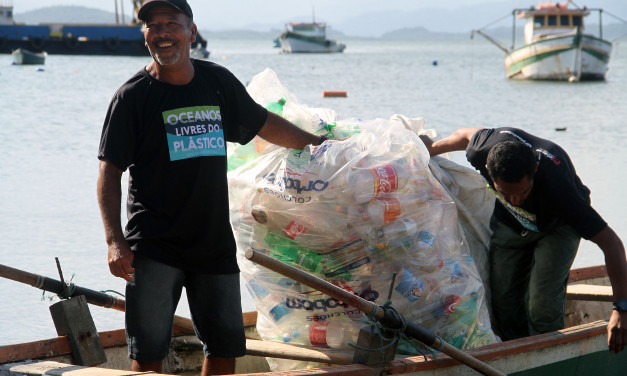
{"x":580,"y":349}
{"x":309,"y":37}
{"x":557,"y":46}
{"x":24,"y":57}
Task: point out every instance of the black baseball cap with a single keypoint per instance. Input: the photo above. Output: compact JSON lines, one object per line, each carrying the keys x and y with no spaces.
{"x":180,"y":5}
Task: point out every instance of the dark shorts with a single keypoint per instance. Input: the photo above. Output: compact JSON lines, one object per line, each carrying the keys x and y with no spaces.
{"x":151,"y":300}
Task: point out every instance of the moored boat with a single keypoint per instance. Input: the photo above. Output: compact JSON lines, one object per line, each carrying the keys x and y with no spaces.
{"x":580,"y":349}
{"x":25,"y":57}
{"x":556,"y":45}
{"x":116,"y":39}
{"x":300,"y":37}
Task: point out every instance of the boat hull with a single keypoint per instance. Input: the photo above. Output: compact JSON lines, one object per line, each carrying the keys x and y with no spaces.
{"x":577,"y":350}
{"x":116,"y":40}
{"x":296,"y":43}
{"x":25,"y":57}
{"x":571,"y":57}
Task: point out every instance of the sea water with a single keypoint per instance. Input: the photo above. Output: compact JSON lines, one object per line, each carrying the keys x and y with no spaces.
{"x":51,"y":119}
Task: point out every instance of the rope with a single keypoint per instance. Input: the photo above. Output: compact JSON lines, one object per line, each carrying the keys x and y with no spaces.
{"x":397,"y":334}
{"x":618,"y":18}
{"x":68,"y":291}
{"x":497,"y":21}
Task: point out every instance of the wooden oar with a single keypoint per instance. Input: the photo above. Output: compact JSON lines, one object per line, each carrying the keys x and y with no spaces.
{"x":385,"y":316}
{"x":253,"y":347}
{"x":67,"y":291}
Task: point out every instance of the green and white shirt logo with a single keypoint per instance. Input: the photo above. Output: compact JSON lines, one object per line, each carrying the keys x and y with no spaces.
{"x":194,"y":132}
{"x":526,"y":219}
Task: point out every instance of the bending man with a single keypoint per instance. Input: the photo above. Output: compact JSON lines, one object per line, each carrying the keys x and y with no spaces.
{"x":541,"y":213}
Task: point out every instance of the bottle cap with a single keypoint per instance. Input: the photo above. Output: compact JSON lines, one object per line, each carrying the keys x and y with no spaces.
{"x":410,"y":226}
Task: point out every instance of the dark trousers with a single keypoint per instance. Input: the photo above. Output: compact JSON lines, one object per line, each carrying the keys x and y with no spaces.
{"x":528,"y":277}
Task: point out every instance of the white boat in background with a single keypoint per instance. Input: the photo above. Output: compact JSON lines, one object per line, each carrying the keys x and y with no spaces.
{"x":556,"y":45}
{"x":23,"y":57}
{"x":308,"y":37}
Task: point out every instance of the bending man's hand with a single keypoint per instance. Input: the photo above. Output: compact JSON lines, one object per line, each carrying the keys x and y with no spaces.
{"x":617,"y":331}
{"x":428,"y":142}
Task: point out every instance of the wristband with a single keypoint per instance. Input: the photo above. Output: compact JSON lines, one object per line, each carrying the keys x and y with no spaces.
{"x":621,"y":305}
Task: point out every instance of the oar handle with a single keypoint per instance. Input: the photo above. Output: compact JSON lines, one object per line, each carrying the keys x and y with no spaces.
{"x":93,"y":297}
{"x":48,"y":284}
{"x":385,"y":316}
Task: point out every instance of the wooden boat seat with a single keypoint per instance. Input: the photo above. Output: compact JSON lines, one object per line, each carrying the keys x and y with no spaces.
{"x":597,"y":293}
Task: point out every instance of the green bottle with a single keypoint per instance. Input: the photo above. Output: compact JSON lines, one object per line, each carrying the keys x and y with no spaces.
{"x":276,"y":107}
{"x":290,"y":250}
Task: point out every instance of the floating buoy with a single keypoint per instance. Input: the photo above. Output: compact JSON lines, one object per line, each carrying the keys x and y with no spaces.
{"x":435,"y":62}
{"x":337,"y":93}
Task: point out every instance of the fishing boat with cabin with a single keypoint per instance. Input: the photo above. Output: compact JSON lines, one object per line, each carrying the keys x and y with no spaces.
{"x":557,"y":45}
{"x":308,"y":37}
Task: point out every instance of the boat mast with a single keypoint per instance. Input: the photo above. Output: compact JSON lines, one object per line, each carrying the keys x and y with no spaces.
{"x":117,"y":20}
{"x":600,"y":23}
{"x":514,"y":12}
{"x":122,"y":11}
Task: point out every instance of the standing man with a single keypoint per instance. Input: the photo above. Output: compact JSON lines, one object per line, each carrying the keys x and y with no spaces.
{"x":541,"y":213}
{"x":168,"y":124}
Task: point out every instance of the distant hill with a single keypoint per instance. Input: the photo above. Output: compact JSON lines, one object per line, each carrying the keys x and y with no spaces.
{"x":71,"y":14}
{"x":427,"y":22}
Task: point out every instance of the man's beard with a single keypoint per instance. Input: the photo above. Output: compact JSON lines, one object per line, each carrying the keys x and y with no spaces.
{"x":165,"y":60}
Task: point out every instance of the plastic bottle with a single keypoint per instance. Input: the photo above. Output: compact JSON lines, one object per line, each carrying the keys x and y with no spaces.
{"x":369,"y":182}
{"x":307,"y":259}
{"x":410,"y":287}
{"x":276,"y":107}
{"x":317,"y":229}
{"x":335,"y":333}
{"x":388,"y":207}
{"x":241,"y":155}
{"x":394,"y":233}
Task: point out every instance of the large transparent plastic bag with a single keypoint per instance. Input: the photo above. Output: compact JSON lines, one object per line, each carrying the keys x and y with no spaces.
{"x":366,"y":214}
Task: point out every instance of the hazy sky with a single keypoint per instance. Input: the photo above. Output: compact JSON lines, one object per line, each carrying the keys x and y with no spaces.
{"x":236,"y":13}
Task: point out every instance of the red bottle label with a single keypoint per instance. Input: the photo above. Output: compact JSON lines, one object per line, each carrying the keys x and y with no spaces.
{"x":385,"y":178}
{"x":318,"y":334}
{"x":294,"y":229}
{"x":392,"y":208}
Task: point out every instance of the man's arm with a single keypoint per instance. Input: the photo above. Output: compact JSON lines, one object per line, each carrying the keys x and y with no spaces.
{"x":109,"y":199}
{"x":280,"y":131}
{"x":616,"y":264}
{"x":458,"y":140}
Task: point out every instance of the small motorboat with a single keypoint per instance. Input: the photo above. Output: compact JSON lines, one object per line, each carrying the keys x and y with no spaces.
{"x":24,"y":57}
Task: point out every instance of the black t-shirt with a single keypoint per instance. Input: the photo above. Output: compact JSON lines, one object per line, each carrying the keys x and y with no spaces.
{"x":173,"y":141}
{"x":558,"y":196}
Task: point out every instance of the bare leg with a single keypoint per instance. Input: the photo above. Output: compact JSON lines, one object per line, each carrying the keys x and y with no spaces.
{"x":147,"y":366}
{"x":218,"y":366}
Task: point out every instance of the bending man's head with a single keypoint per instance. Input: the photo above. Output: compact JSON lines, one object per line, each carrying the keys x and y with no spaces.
{"x":512,"y":166}
{"x":510,"y":161}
